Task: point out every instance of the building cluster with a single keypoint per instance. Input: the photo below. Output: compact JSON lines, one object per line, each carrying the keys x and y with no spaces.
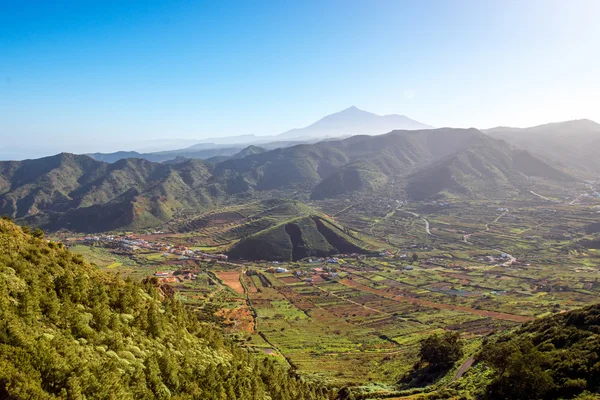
{"x":132,"y":243}
{"x":502,"y":259}
{"x":176,"y":276}
{"x":127,"y":242}
{"x":278,"y":270}
{"x":326,"y":273}
{"x":335,"y":259}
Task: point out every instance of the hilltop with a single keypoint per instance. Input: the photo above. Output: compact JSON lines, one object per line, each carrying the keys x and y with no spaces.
{"x":275,"y":230}
{"x":348,"y":122}
{"x":485,"y":169}
{"x":354,"y":121}
{"x":162,"y":156}
{"x":296,"y":239}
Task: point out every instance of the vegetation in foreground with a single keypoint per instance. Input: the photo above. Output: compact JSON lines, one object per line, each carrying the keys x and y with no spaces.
{"x":553,"y":357}
{"x":68,"y":330}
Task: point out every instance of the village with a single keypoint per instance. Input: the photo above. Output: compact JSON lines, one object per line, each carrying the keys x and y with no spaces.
{"x":132,"y":243}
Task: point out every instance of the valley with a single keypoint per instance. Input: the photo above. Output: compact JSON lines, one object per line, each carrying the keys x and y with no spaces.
{"x":476,"y":267}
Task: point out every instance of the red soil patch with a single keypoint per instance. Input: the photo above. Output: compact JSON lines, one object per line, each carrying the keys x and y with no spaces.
{"x":301,"y":302}
{"x":231,"y":279}
{"x":289,"y":279}
{"x":440,"y":306}
{"x":240,"y":318}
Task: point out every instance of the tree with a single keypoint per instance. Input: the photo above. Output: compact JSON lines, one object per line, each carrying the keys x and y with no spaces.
{"x":415,"y":257}
{"x":38,"y":233}
{"x":440,"y":351}
{"x":520,"y":374}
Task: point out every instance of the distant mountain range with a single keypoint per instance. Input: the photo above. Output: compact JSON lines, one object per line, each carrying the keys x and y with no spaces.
{"x":575,"y":144}
{"x":83,"y":194}
{"x":167,"y":155}
{"x":348,"y":122}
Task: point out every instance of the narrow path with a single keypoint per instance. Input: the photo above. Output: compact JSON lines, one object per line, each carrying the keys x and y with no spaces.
{"x":487,"y":228}
{"x":575,"y":199}
{"x":539,"y":195}
{"x":498,"y":218}
{"x":383,"y":219}
{"x":343,"y":211}
{"x":463,"y":368}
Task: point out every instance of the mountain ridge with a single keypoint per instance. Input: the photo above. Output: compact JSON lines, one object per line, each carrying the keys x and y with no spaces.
{"x":571,"y":143}
{"x":79,"y":193}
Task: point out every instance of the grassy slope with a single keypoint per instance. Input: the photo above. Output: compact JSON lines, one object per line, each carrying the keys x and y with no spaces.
{"x":297,"y":238}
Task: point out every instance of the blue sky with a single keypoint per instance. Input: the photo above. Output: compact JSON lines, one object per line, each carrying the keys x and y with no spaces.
{"x":87,"y":75}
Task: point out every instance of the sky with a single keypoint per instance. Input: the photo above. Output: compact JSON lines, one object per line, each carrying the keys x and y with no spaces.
{"x":87,"y":76}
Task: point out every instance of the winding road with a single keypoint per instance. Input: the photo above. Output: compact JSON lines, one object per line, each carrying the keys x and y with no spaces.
{"x":424,"y":219}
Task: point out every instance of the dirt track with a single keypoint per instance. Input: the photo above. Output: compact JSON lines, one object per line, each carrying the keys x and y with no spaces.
{"x":431,"y":304}
{"x":463,"y":368}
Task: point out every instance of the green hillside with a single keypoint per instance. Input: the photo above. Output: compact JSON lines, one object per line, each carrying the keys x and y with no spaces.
{"x":273,"y":230}
{"x":297,"y":238}
{"x":310,"y":166}
{"x":362,"y":175}
{"x":486,"y":169}
{"x":69,"y":331}
{"x":78,"y":193}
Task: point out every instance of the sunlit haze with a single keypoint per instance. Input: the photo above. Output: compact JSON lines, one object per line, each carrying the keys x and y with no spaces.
{"x":84,"y":76}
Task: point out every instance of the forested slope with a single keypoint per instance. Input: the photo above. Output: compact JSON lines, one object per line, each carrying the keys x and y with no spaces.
{"x":555,"y":357}
{"x":70,"y":331}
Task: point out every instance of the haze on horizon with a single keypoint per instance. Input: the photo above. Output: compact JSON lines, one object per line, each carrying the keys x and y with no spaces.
{"x":82,"y":77}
